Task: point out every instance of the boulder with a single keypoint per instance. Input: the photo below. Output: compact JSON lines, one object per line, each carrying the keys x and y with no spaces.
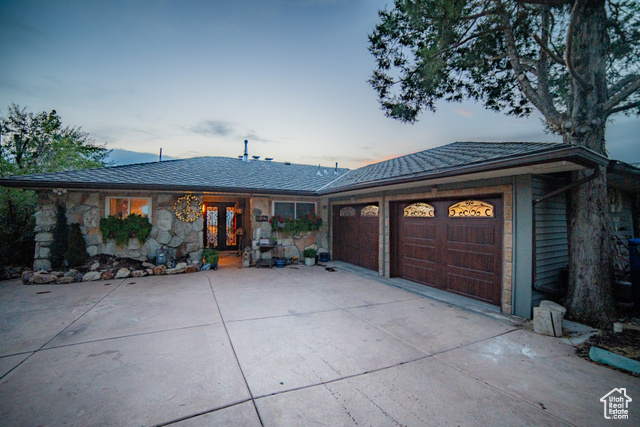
{"x":94,"y":266}
{"x":149,"y":271}
{"x":147,"y":265}
{"x":138,"y":273}
{"x":26,"y":275}
{"x":108,"y":275}
{"x":159,"y":270}
{"x":92,"y":276}
{"x":176,"y":270}
{"x":66,"y":279}
{"x":43,"y":279}
{"x":123,"y":273}
{"x":191,"y":269}
{"x":547,"y":318}
{"x":58,"y":273}
{"x":181,"y":265}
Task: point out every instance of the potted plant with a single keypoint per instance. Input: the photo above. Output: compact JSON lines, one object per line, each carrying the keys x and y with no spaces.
{"x":309,"y":255}
{"x":210,"y":257}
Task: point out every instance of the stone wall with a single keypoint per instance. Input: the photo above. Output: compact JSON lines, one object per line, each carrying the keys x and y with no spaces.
{"x":86,"y":208}
{"x":293,"y":246}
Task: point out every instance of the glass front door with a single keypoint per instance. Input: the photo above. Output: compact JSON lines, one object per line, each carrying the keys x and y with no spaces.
{"x":221,"y":223}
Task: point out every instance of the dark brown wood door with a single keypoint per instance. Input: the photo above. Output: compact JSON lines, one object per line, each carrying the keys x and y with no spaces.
{"x":355,"y":235}
{"x":462,"y":255}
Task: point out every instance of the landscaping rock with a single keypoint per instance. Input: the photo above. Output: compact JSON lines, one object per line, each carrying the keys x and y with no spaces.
{"x":108,"y":275}
{"x":26,"y":275}
{"x":58,"y":273}
{"x":66,"y":279}
{"x":176,"y":270}
{"x":123,"y":273}
{"x":70,"y":273}
{"x":149,"y":271}
{"x":191,"y":269}
{"x":43,"y":279}
{"x":138,"y":273}
{"x":91,"y":276}
{"x":181,"y":265}
{"x":78,"y":277}
{"x":95,"y":266}
{"x":159,"y":270}
{"x":147,"y":265}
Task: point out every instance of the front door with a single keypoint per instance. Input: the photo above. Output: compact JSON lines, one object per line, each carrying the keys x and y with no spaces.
{"x":220,"y":221}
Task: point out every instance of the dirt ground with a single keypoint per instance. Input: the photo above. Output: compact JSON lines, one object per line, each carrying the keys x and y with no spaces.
{"x":626,"y":343}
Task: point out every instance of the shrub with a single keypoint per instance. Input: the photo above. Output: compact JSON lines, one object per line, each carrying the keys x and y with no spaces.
{"x":60,"y":239}
{"x":113,"y":227}
{"x":309,"y":253}
{"x":210,"y":256}
{"x":76,"y":254}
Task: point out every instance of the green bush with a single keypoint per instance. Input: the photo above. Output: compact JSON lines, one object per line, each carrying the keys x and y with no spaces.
{"x":210,"y":256}
{"x":76,"y":254}
{"x":309,"y":253}
{"x":16,"y":227}
{"x":122,"y":229}
{"x":60,"y":241}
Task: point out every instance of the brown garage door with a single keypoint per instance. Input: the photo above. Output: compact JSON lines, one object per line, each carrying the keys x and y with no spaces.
{"x":452,"y":245}
{"x":355,"y":235}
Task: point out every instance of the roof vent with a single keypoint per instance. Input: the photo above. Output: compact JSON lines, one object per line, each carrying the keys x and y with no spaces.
{"x":287,"y":163}
{"x":319,"y":173}
{"x":255,"y":157}
{"x":336,"y":170}
{"x":245,"y":156}
{"x":268,"y":159}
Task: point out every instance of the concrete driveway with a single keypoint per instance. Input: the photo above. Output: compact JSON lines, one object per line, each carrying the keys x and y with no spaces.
{"x":288,"y":347}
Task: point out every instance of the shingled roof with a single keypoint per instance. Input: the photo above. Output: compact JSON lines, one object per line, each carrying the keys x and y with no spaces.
{"x":223,"y":174}
{"x":195,"y":174}
{"x":454,"y":158}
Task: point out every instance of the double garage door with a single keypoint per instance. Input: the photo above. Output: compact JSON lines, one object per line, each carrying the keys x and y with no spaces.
{"x":451,"y":245}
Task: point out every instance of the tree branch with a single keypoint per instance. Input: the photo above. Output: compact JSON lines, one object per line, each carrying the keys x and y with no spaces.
{"x":624,"y":107}
{"x":546,"y":2}
{"x":567,"y":54}
{"x":553,"y":117}
{"x":611,"y":106}
{"x":549,"y":52}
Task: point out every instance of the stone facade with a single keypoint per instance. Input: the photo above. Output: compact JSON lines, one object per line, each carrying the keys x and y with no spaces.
{"x":293,"y":246}
{"x":86,"y":208}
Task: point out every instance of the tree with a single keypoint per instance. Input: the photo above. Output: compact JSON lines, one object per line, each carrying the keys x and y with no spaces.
{"x":32,"y":143}
{"x":60,"y":242}
{"x":575,"y":61}
{"x":76,"y":253}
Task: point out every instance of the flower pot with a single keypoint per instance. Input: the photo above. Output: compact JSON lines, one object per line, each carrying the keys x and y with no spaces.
{"x":324,"y":256}
{"x":280,"y":263}
{"x":309,"y":261}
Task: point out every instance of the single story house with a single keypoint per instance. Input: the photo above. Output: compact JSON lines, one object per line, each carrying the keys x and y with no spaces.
{"x":480,"y":219}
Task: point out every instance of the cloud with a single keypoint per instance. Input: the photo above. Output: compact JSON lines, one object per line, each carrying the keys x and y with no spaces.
{"x":463,"y":112}
{"x":213,"y":127}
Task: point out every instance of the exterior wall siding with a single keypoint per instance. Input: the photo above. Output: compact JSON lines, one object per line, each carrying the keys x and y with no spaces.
{"x":552,"y":245}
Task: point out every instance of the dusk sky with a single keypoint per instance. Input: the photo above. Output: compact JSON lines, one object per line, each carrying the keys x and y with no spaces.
{"x":197,"y":78}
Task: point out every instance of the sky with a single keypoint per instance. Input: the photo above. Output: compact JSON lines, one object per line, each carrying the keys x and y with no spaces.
{"x":197,"y":78}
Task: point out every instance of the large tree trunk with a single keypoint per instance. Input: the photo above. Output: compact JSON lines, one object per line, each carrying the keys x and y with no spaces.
{"x":589,"y":297}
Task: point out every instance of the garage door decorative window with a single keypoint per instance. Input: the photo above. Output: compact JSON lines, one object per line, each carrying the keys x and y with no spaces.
{"x":471,"y":209}
{"x":371,"y":210}
{"x":348,"y":211}
{"x":419,"y":210}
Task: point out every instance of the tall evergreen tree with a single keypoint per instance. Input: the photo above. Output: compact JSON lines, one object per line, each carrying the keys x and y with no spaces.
{"x":575,"y":61}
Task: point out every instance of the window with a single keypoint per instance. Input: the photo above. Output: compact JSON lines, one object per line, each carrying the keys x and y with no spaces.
{"x":293,"y":209}
{"x":371,"y":210}
{"x":348,"y":211}
{"x":471,"y":208}
{"x":122,"y":207}
{"x":419,"y":210}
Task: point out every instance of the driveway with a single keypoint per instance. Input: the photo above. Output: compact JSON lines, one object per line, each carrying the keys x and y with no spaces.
{"x":283,"y":347}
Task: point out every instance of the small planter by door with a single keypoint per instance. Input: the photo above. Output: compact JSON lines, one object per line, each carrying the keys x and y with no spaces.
{"x":309,"y":261}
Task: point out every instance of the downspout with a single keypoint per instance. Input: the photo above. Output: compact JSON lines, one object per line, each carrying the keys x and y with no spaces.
{"x":596,"y":173}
